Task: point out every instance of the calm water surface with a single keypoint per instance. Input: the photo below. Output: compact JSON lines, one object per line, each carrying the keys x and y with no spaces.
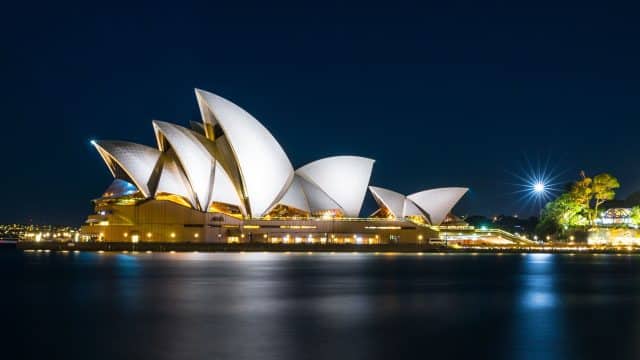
{"x":319,"y":306}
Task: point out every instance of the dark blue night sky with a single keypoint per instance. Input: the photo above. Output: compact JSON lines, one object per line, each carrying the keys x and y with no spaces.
{"x":448,"y":93}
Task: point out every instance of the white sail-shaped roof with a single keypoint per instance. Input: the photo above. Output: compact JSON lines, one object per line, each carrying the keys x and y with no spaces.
{"x":223,"y":190}
{"x":231,"y":158}
{"x":136,"y":160}
{"x":437,"y":203}
{"x":172,"y":179}
{"x":262,"y":163}
{"x":295,"y":196}
{"x":410,"y":209}
{"x":343,"y":178}
{"x":317,"y":199}
{"x":390,"y":200}
{"x":197,"y":162}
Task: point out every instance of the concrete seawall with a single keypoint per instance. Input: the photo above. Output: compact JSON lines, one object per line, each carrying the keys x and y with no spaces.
{"x":258,"y":247}
{"x":211,"y":247}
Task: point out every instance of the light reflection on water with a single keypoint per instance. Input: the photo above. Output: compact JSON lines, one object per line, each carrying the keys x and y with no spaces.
{"x":539,"y":324}
{"x":318,"y":306}
{"x":538,"y":291}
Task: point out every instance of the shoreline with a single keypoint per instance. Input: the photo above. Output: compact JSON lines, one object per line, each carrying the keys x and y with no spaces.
{"x":327,"y":248}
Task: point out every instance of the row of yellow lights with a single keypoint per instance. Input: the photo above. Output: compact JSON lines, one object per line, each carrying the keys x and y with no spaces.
{"x":287,"y":236}
{"x":149,"y":235}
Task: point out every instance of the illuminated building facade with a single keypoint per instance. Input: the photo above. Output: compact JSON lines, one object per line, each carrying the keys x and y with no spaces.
{"x":226,"y":179}
{"x":615,"y":217}
{"x":615,"y":228}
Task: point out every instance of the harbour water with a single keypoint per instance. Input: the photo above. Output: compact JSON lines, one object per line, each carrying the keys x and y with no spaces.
{"x":90,"y":305}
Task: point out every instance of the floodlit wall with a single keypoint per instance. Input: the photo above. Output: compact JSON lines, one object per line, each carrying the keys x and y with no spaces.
{"x":164,"y":221}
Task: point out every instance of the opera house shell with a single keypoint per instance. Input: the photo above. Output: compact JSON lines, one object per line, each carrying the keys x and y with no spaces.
{"x":227,"y":179}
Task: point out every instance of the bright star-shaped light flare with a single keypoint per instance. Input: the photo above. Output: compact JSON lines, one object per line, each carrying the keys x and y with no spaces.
{"x":539,"y":187}
{"x":536,"y":185}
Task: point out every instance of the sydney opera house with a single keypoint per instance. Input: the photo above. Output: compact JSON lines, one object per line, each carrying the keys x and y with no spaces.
{"x":226,"y":179}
